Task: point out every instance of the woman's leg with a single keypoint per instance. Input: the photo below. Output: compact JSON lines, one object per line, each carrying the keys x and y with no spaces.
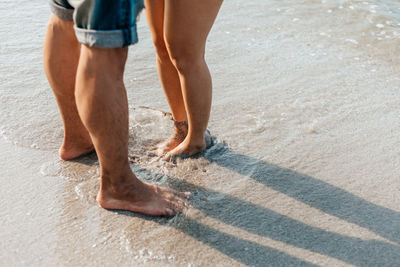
{"x":186,"y":27}
{"x":168,"y":75}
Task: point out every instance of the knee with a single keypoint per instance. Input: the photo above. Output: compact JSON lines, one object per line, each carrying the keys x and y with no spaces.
{"x":61,"y":33}
{"x":109,"y":62}
{"x":185,"y":57}
{"x":161,"y":50}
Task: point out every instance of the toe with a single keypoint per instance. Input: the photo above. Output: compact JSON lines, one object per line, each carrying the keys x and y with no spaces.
{"x":180,"y":195}
{"x":177,"y":203}
{"x":167,"y":157}
{"x":185,"y":195}
{"x":169,"y":212}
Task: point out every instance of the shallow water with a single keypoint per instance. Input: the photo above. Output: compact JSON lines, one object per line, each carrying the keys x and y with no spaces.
{"x":305,"y":169}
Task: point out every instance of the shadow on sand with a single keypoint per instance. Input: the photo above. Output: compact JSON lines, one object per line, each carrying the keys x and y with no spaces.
{"x":270,"y":224}
{"x":311,"y":191}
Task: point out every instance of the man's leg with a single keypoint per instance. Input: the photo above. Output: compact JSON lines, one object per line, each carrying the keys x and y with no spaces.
{"x":103,"y":107}
{"x":61,"y":56}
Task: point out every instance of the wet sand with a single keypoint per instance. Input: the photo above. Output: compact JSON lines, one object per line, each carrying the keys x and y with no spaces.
{"x":305,"y":166}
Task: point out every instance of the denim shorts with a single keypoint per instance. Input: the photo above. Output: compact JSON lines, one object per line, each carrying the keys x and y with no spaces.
{"x":101,"y":23}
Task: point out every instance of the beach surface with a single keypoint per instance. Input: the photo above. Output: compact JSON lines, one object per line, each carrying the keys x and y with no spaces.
{"x":305,"y":166}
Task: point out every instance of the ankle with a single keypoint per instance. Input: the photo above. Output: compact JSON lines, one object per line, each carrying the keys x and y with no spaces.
{"x":119,"y":184}
{"x":74,"y":140}
{"x":196,"y":139}
{"x":180,"y":129}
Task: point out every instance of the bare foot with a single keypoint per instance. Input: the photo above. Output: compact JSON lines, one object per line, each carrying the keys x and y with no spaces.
{"x":73,"y":149}
{"x":180,"y":132}
{"x":143,"y":198}
{"x":189,"y":148}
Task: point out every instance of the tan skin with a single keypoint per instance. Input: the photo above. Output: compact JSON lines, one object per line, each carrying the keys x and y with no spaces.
{"x":179,"y":30}
{"x":60,"y":69}
{"x":89,"y":88}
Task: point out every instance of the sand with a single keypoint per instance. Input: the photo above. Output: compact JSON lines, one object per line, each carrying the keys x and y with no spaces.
{"x":304,"y":171}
